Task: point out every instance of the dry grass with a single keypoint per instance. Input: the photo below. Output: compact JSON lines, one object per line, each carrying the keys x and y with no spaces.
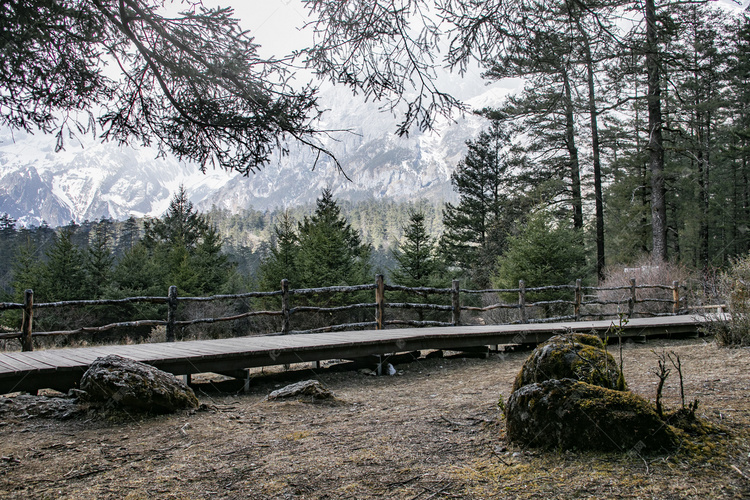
{"x":434,"y":431}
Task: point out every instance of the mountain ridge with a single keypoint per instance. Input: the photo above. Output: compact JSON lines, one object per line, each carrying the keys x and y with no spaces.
{"x":92,"y":180}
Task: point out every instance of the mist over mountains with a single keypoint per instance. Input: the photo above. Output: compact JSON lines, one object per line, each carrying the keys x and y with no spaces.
{"x":103,"y":180}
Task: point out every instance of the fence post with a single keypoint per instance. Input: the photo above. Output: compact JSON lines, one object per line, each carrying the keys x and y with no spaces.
{"x":579,"y":299}
{"x":172,"y":309}
{"x":456,"y":303}
{"x":632,"y":299}
{"x":379,"y":300}
{"x":522,"y":300}
{"x":285,"y":306}
{"x":28,"y":319}
{"x":676,"y":297}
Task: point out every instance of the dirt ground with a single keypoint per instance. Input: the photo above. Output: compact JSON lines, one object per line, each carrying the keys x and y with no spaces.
{"x":432,"y":431}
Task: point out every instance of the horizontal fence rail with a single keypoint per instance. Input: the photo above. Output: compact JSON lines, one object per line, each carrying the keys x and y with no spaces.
{"x":581,"y":297}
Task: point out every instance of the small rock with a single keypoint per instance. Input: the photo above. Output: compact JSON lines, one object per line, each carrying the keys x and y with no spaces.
{"x":308,"y":388}
{"x":77,"y":394}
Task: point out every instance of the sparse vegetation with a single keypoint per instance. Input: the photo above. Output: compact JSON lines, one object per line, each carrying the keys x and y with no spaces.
{"x":734,"y":330}
{"x":435,"y":428}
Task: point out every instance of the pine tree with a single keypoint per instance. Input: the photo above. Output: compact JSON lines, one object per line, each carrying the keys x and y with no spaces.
{"x":129,"y":235}
{"x":180,"y":225}
{"x":330,"y":251}
{"x":27,"y":271}
{"x":136,"y":273}
{"x":417,"y":263}
{"x":475,"y":228}
{"x":187,"y":249}
{"x":209,"y":266}
{"x":191,"y":83}
{"x":281,"y":261}
{"x":544,"y":252}
{"x":65,"y":276}
{"x":99,"y":259}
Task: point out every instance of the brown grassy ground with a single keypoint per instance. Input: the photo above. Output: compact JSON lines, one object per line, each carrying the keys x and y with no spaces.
{"x":433,"y":431}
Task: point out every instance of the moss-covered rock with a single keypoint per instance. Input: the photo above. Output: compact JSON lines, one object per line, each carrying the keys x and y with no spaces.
{"x":125,"y":383}
{"x":569,"y":414}
{"x":576,"y":356}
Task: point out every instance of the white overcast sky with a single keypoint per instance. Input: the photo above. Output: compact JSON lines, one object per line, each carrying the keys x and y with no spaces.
{"x":276,"y":23}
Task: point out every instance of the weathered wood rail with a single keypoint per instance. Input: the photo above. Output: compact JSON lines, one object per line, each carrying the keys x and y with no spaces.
{"x":628,"y":303}
{"x":62,"y":369}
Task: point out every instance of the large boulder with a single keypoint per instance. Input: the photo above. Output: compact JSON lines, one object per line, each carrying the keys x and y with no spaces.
{"x":126,"y":383}
{"x":569,"y":414}
{"x":576,"y":356}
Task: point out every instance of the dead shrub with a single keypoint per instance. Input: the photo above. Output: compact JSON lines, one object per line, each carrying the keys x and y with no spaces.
{"x":646,"y":271}
{"x":734,"y":329}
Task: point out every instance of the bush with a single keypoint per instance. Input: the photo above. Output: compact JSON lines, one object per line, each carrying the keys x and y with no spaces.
{"x":734,"y":329}
{"x":646,"y":271}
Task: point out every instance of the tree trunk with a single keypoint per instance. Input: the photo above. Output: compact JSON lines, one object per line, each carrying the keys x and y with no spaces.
{"x":655,"y":142}
{"x":599,"y":203}
{"x":570,"y":142}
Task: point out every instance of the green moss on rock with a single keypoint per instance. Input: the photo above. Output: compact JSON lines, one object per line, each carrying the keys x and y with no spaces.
{"x":569,"y":414}
{"x":575,"y":356}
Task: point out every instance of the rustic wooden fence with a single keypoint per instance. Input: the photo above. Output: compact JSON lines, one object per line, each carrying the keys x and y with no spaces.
{"x":627,"y":304}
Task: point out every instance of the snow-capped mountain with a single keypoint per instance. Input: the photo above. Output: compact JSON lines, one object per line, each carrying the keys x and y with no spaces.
{"x":103,"y":180}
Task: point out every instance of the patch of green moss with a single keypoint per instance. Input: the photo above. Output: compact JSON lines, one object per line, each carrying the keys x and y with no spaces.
{"x":584,"y":338}
{"x":577,"y":356}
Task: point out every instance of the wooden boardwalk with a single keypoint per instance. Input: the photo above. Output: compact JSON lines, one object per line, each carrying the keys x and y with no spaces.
{"x":62,"y":368}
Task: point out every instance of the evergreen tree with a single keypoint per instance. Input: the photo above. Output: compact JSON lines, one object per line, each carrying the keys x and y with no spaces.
{"x":7,"y":248}
{"x":417,"y":262}
{"x":330,"y":251}
{"x":192,"y":83}
{"x":99,"y":260}
{"x":180,"y":225}
{"x":208,"y":267}
{"x":27,"y":271}
{"x":475,"y":228}
{"x":187,"y":250}
{"x":544,"y":252}
{"x":136,"y":274}
{"x":7,"y":227}
{"x":281,"y":261}
{"x":129,"y":235}
{"x":65,"y":275}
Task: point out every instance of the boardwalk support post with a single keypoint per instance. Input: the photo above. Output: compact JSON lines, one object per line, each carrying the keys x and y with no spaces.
{"x":379,"y":301}
{"x":172,"y":309}
{"x":632,"y":299}
{"x":522,"y":301}
{"x":285,"y":306}
{"x":456,"y":303}
{"x":28,"y":319}
{"x":579,"y":299}
{"x":676,"y":297}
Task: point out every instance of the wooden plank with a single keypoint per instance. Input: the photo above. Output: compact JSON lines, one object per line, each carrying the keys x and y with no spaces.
{"x":5,"y":368}
{"x":20,"y":365}
{"x":41,"y":357}
{"x":75,"y":359}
